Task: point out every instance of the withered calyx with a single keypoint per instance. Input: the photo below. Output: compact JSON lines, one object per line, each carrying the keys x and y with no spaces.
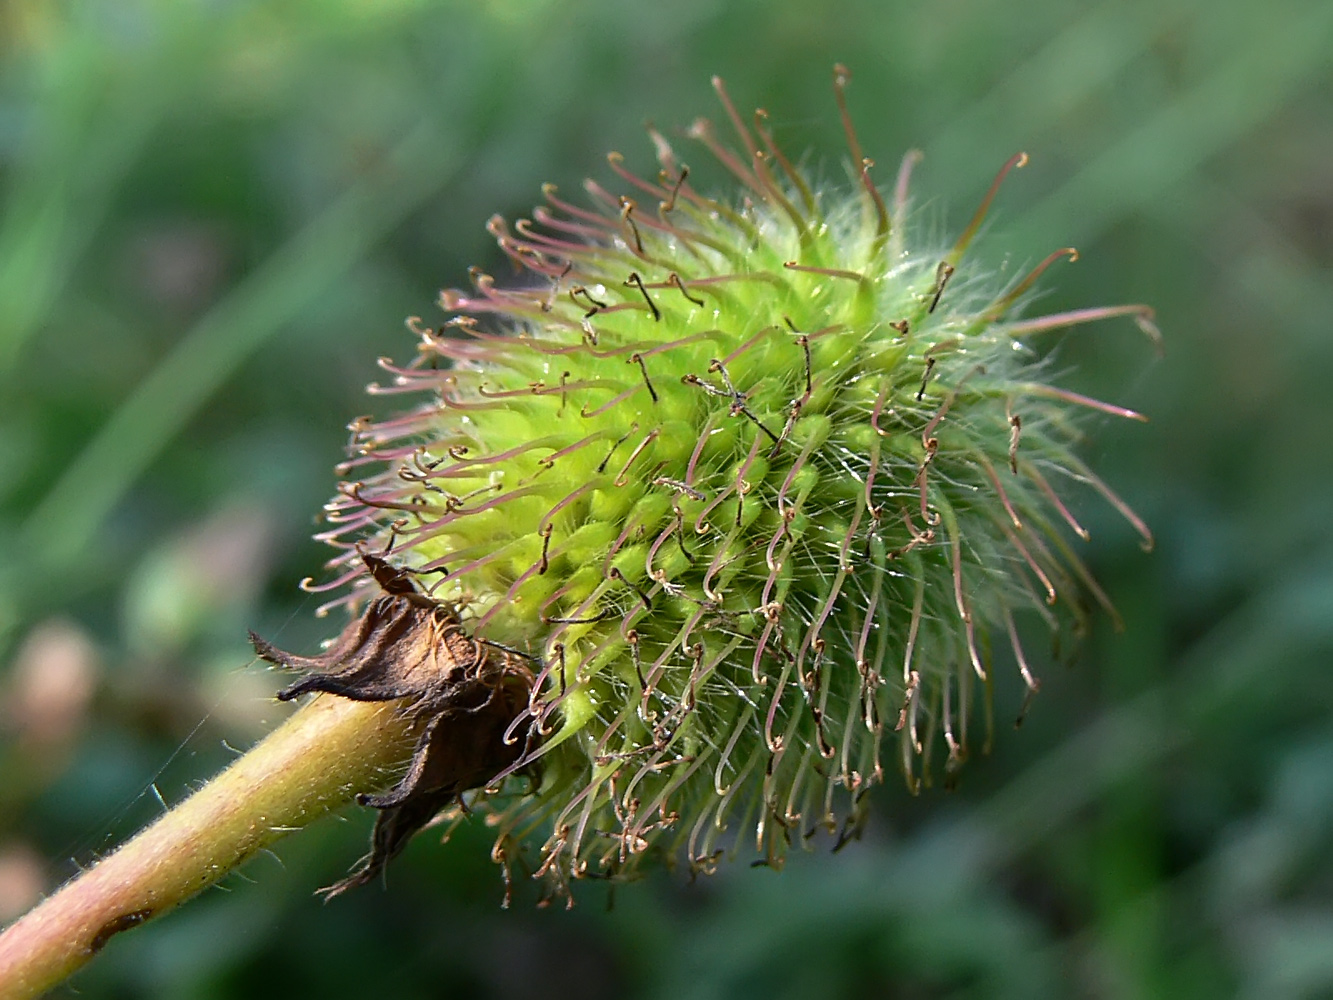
{"x":465,"y":692}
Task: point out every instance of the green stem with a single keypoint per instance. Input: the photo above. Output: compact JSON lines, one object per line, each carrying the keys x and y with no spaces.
{"x":315,"y":762}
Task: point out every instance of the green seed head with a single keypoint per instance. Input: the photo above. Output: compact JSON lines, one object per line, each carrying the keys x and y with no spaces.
{"x":752,"y":484}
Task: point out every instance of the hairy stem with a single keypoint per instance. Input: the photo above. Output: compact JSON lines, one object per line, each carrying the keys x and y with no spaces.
{"x":315,"y":762}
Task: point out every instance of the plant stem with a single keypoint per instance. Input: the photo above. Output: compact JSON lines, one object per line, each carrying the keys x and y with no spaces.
{"x":315,"y":762}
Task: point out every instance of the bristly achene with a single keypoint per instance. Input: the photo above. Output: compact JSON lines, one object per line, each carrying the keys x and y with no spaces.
{"x":752,"y":482}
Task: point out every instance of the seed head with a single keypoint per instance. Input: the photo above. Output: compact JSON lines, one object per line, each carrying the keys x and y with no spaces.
{"x":742,"y":490}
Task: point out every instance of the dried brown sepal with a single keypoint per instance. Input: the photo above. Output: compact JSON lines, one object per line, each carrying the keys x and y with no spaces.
{"x":465,"y":693}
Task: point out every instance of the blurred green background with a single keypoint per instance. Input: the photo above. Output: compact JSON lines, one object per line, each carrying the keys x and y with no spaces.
{"x":214,"y":217}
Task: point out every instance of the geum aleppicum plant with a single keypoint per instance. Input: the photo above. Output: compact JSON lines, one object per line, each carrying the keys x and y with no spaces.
{"x":728,"y":496}
{"x":697,"y":530}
